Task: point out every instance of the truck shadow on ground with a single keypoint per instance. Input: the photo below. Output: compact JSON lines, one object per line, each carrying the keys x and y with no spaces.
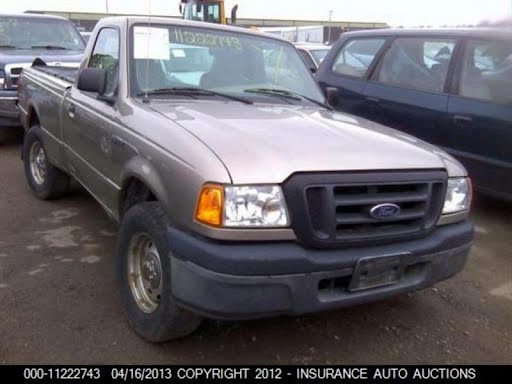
{"x":338,"y":336}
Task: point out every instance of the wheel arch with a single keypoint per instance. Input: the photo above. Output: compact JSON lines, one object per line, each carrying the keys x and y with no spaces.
{"x":140,"y":182}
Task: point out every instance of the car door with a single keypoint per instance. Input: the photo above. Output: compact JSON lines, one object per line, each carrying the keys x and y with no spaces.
{"x":480,"y":113}
{"x":347,"y":67}
{"x":88,"y":123}
{"x":407,"y":89}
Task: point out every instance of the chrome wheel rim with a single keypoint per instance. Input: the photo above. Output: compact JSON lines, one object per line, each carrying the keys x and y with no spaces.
{"x":145,"y":272}
{"x":38,"y":163}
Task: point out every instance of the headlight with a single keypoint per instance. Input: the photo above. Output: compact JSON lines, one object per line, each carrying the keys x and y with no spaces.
{"x":255,"y":206}
{"x":250,"y":206}
{"x":458,"y":195}
{"x":2,"y":78}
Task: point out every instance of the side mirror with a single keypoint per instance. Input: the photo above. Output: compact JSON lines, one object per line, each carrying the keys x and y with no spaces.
{"x":95,"y":80}
{"x":92,"y":80}
{"x":331,"y":94}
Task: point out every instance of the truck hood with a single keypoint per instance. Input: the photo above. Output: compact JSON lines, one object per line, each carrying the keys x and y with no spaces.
{"x":268,"y":143}
{"x":15,"y":56}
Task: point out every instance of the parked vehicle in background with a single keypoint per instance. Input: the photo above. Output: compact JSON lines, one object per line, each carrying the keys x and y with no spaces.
{"x":86,"y":36}
{"x":23,"y":38}
{"x":210,"y":11}
{"x":240,"y":193}
{"x":313,"y":54}
{"x":451,"y":88}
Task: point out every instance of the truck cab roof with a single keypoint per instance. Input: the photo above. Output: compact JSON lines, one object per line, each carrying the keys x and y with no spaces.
{"x":31,"y":16}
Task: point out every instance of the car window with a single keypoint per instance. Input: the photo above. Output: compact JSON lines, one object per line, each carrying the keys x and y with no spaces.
{"x":170,"y":56}
{"x":209,"y":11}
{"x":487,"y":71}
{"x":417,"y":63}
{"x":35,"y":33}
{"x":356,"y":56}
{"x":105,"y":55}
{"x":307,"y":59}
{"x":319,"y":55}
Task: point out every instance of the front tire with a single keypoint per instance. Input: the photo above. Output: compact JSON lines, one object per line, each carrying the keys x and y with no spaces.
{"x":46,"y":181}
{"x":144,"y":271}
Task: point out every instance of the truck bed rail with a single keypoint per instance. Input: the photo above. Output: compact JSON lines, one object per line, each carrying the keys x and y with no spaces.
{"x":64,"y":73}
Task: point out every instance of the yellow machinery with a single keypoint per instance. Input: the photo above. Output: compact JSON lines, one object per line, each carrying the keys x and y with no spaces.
{"x":211,"y":11}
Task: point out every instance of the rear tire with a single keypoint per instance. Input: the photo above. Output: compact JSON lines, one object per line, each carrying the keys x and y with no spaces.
{"x":144,"y":272}
{"x":46,"y":181}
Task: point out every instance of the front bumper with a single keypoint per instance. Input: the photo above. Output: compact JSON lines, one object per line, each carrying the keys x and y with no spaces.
{"x":244,"y":281}
{"x":9,"y":115}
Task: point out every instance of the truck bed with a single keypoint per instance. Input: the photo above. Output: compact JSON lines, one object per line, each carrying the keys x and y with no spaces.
{"x":63,"y":73}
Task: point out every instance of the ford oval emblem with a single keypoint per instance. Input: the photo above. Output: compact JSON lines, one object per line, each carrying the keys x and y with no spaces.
{"x":385,"y":211}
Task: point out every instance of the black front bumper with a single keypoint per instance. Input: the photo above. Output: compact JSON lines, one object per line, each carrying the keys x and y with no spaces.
{"x":243,"y":281}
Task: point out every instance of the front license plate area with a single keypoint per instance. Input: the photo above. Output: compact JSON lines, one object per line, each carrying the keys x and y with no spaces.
{"x":373,"y":272}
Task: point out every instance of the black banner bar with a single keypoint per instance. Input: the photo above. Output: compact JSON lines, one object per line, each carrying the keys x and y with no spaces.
{"x":13,"y":374}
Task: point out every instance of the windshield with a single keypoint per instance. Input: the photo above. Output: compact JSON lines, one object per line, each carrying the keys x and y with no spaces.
{"x":319,"y":55}
{"x":27,"y":33}
{"x":178,"y":56}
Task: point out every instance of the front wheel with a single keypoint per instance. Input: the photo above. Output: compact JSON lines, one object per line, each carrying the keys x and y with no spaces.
{"x":144,"y":270}
{"x":46,"y":181}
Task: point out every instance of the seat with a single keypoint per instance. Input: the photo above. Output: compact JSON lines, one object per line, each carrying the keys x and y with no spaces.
{"x":150,"y":74}
{"x":473,"y":85}
{"x":404,"y":66}
{"x":226,"y":70}
{"x":231,"y":68}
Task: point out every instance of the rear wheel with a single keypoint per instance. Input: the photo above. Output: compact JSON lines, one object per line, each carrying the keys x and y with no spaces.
{"x":45,"y":180}
{"x":144,"y":271}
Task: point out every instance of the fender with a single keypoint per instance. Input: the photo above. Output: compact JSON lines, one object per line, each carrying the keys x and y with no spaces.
{"x":143,"y":170}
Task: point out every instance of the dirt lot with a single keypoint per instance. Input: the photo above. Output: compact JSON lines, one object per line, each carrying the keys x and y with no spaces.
{"x":59,"y":302}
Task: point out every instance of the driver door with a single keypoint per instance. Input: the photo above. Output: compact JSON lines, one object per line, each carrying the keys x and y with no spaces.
{"x":88,"y":124}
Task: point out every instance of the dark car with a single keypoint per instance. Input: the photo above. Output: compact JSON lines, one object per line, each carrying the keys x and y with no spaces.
{"x":25,"y":37}
{"x":450,"y":87}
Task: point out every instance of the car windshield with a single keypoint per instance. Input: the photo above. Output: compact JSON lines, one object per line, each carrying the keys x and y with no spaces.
{"x":319,"y":55}
{"x":174,"y":56}
{"x":34,"y":33}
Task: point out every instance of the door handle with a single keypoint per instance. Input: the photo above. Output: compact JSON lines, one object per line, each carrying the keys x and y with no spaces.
{"x":462,"y":118}
{"x":71,"y":111}
{"x":372,"y":99}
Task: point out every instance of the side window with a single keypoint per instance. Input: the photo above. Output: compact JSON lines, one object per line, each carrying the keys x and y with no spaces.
{"x":307,"y":59}
{"x":105,"y":55}
{"x":417,"y":63}
{"x":487,"y":71}
{"x":213,"y":13}
{"x":356,"y":56}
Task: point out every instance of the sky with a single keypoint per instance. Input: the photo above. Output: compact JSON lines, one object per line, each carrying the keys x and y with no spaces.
{"x":394,"y":12}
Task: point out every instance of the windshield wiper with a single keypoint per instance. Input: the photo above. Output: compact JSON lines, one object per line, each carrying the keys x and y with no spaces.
{"x":49,"y":47}
{"x":8,"y":46}
{"x":287,"y":94}
{"x":192,"y":91}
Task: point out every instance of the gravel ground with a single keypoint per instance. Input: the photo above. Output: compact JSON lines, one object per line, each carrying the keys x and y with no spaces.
{"x":59,"y":302}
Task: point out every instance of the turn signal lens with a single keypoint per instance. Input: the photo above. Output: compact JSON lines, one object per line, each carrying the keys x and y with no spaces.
{"x":210,"y":205}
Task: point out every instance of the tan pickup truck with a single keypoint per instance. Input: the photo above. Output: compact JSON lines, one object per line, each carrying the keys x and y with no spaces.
{"x":240,"y":193}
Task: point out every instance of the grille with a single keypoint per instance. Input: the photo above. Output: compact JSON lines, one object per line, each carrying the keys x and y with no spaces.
{"x":16,"y":71}
{"x":15,"y":75}
{"x":13,"y":72}
{"x":333,"y":210}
